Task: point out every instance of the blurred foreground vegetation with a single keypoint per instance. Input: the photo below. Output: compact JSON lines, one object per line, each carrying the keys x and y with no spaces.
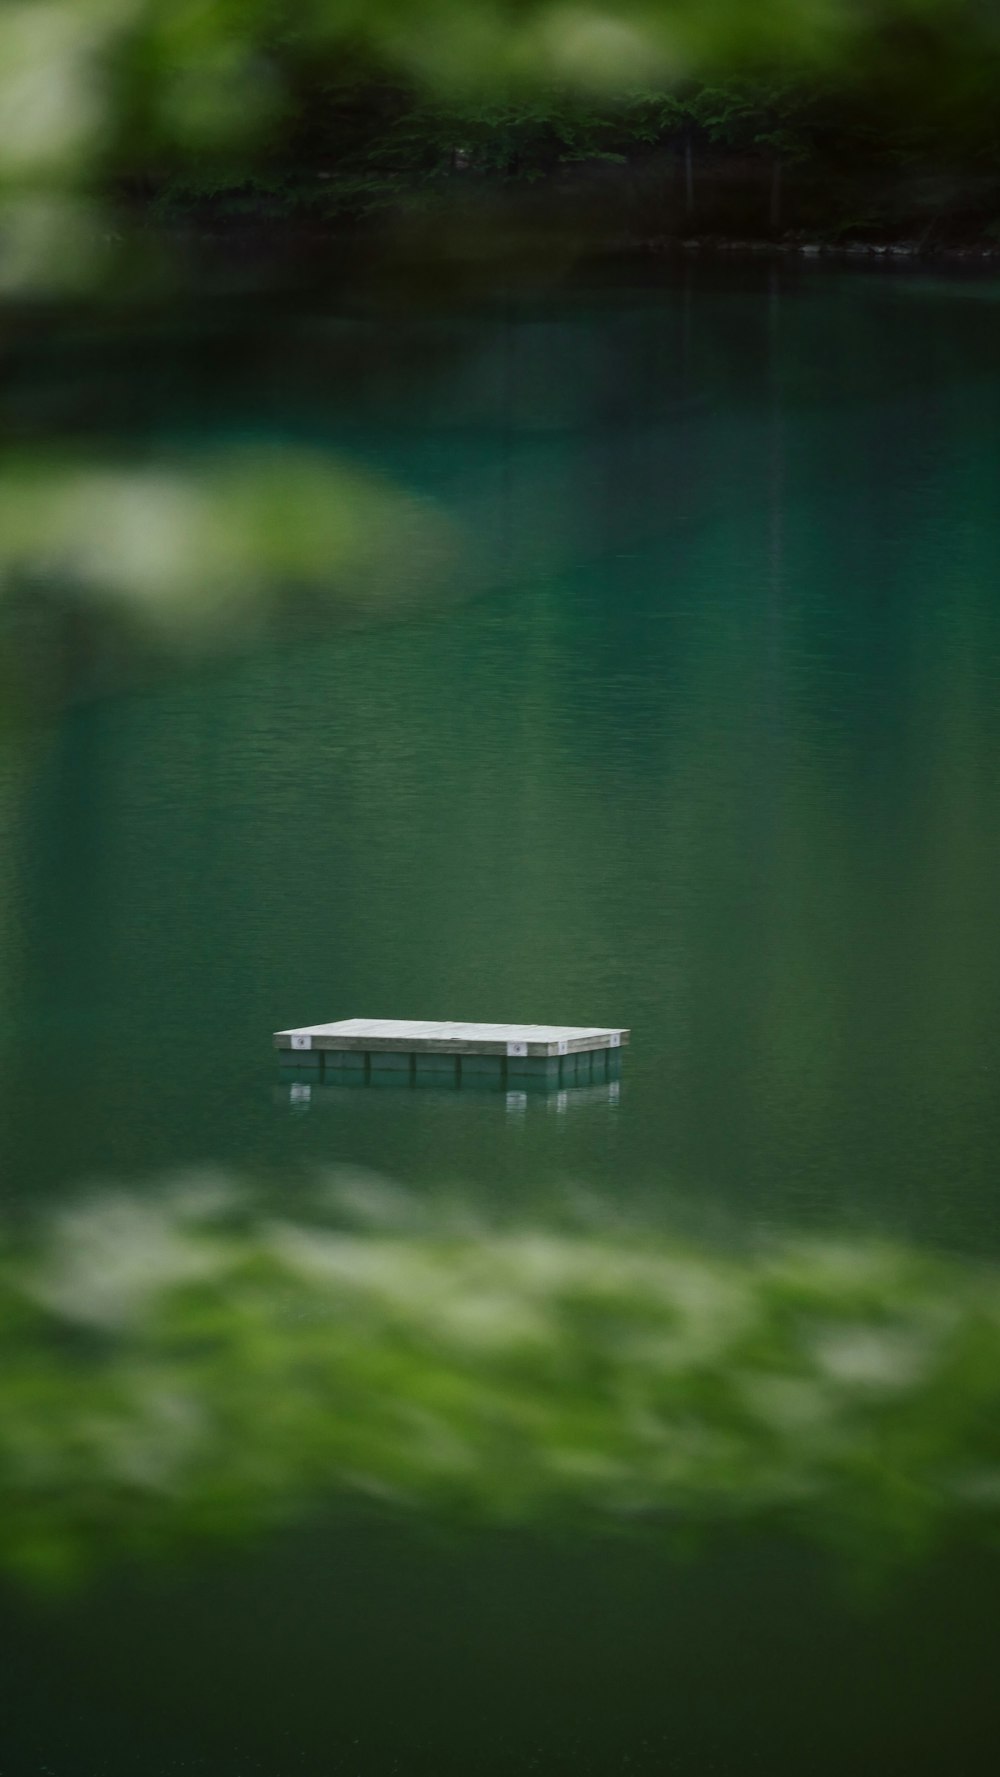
{"x":194,"y":1363}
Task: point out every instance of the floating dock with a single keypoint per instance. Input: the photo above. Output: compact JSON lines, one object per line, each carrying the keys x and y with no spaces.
{"x":357,"y":1049}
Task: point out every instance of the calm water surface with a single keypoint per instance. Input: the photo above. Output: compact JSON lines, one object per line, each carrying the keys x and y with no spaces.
{"x":700,"y":736}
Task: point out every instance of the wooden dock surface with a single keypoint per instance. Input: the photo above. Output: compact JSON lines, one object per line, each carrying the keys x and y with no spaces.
{"x":400,"y":1036}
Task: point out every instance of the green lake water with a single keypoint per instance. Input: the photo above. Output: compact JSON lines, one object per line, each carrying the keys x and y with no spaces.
{"x":697,"y":732}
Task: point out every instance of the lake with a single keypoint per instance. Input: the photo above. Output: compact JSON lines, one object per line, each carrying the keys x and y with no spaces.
{"x":695,"y":729}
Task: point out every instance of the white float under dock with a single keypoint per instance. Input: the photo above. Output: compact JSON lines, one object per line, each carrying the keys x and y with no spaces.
{"x":444,"y":1051}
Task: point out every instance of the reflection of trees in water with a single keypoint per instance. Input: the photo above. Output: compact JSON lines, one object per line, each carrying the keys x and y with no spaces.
{"x":192,"y":1365}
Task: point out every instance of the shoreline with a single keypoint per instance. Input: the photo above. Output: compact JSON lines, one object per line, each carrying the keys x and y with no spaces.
{"x":592,"y":245}
{"x":898,"y":250}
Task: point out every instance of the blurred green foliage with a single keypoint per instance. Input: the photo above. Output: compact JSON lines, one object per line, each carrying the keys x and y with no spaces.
{"x":94,"y":91}
{"x":195,"y":1363}
{"x":185,"y":545}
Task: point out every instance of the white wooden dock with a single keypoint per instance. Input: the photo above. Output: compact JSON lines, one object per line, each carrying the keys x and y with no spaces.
{"x":364,"y":1046}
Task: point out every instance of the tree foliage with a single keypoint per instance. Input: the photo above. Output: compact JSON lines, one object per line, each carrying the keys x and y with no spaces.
{"x":190,"y":1362}
{"x":91,"y":89}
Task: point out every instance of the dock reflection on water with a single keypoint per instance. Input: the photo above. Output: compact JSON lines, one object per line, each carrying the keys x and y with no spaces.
{"x":306,"y":1093}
